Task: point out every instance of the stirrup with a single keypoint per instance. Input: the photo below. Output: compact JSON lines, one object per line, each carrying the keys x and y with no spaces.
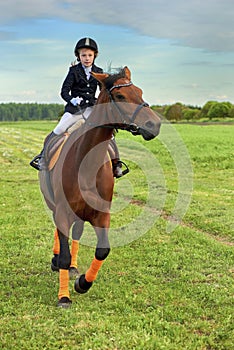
{"x":125,"y":171}
{"x":119,"y":165}
{"x":35,"y":162}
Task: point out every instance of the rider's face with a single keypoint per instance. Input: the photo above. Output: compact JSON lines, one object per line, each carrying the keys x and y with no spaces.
{"x":86,"y":57}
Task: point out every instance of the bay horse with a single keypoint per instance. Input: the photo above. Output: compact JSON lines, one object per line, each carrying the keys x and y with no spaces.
{"x":80,"y":187}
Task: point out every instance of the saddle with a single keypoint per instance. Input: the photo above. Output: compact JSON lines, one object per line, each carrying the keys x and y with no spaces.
{"x":53,"y":147}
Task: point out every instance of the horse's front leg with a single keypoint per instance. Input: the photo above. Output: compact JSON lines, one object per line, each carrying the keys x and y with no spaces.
{"x":64,"y":262}
{"x":85,"y":281}
{"x":77,"y":231}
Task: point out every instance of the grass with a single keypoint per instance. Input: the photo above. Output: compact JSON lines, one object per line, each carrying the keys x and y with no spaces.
{"x":165,"y":290}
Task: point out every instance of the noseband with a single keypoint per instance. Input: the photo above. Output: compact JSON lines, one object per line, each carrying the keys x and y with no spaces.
{"x":132,"y":126}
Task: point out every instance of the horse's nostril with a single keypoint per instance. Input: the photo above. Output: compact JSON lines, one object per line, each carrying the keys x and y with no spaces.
{"x":149,"y":124}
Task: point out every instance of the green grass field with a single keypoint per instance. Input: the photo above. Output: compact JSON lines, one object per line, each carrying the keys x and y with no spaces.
{"x":166,"y":290}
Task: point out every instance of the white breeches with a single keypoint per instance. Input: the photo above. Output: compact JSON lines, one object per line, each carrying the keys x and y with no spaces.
{"x":69,"y":119}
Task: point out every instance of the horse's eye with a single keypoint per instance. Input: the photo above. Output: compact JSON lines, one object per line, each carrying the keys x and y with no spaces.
{"x":119,"y":97}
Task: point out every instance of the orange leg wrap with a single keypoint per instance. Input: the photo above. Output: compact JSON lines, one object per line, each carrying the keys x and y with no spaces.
{"x":63,"y":284}
{"x":92,"y":272}
{"x":74,"y":253}
{"x":56,"y":246}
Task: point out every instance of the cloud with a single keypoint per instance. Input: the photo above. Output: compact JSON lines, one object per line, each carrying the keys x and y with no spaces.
{"x":12,"y":10}
{"x":195,"y":23}
{"x":208,"y":64}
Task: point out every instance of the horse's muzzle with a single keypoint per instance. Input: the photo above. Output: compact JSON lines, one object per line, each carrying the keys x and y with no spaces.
{"x":150,"y":130}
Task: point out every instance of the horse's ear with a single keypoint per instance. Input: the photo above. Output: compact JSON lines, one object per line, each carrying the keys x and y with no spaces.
{"x":127,"y":73}
{"x":100,"y":76}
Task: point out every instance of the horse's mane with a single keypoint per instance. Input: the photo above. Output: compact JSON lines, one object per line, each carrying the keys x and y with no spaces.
{"x":109,"y":81}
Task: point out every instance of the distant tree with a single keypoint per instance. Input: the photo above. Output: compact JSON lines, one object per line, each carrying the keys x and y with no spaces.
{"x":158,"y":109}
{"x":205,"y":109}
{"x":219,"y":110}
{"x":174,"y":112}
{"x":191,"y":114}
{"x":193,"y":107}
{"x":231,"y":112}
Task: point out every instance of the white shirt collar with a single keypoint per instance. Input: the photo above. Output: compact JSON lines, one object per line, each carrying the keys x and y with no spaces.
{"x":87,"y":71}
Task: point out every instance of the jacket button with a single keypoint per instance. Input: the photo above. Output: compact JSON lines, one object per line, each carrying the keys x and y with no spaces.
{"x":88,"y":85}
{"x":87,"y":101}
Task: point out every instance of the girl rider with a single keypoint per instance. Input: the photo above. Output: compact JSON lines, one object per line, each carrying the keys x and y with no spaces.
{"x":78,"y":90}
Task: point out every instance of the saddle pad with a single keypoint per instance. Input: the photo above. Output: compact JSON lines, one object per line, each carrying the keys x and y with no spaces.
{"x":56,"y":154}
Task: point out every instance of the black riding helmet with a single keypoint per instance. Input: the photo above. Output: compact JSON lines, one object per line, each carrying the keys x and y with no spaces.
{"x":87,"y":43}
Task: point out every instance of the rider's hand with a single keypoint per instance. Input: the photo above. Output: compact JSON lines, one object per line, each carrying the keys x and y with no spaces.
{"x":76,"y":100}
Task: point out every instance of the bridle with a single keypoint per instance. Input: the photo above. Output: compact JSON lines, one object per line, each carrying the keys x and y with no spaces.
{"x":132,"y":126}
{"x":124,"y":125}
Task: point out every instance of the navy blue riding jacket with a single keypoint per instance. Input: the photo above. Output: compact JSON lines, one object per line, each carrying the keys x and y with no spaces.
{"x":76,"y":84}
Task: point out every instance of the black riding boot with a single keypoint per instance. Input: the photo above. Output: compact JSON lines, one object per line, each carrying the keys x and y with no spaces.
{"x":116,"y":164}
{"x":35,"y":162}
{"x":117,"y":168}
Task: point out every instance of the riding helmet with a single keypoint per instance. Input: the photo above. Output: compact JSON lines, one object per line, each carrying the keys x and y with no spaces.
{"x":87,"y":43}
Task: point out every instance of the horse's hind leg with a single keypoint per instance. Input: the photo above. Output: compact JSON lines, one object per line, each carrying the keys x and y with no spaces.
{"x":77,"y":231}
{"x":56,"y":250}
{"x":84,"y":282}
{"x":64,"y":264}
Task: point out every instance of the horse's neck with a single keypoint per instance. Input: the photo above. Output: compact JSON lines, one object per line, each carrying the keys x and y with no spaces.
{"x":97,"y":136}
{"x":91,"y":156}
{"x":95,"y":127}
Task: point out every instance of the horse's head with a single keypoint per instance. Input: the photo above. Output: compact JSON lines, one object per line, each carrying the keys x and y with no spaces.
{"x":127,"y":109}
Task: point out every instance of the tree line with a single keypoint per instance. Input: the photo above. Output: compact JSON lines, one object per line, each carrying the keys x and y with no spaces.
{"x":212,"y":110}
{"x":30,"y":111}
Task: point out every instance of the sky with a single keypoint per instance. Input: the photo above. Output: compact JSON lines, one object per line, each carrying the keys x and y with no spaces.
{"x":177,"y":50}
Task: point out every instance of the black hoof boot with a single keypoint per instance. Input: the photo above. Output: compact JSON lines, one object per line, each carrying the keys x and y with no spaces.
{"x":81,"y":285}
{"x":64,"y":302}
{"x":54,"y":263}
{"x":73,"y":272}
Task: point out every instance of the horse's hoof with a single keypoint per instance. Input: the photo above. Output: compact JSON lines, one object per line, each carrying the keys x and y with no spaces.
{"x":64,"y":302}
{"x":54,"y":268}
{"x":54,"y":263}
{"x":81,"y":285}
{"x":73,"y":272}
